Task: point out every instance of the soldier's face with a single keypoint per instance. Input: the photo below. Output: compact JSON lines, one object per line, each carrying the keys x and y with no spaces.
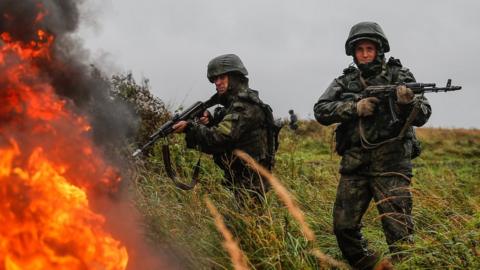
{"x":221,"y":83}
{"x":365,"y":51}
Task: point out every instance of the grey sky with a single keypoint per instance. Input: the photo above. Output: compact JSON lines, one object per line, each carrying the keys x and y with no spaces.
{"x":292,"y":49}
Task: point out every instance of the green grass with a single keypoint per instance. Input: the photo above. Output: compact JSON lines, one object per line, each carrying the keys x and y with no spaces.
{"x":446,"y":190}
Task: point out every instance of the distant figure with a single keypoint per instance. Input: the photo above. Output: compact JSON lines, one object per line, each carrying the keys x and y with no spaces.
{"x":293,"y":120}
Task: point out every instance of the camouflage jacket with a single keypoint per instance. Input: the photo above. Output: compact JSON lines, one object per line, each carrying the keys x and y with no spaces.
{"x":333,"y":107}
{"x":239,"y":124}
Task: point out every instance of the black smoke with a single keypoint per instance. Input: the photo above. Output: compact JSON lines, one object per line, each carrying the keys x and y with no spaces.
{"x":89,"y":93}
{"x":22,"y":18}
{"x":69,"y":71}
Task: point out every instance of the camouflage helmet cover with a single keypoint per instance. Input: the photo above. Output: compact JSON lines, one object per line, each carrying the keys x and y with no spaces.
{"x":224,"y":64}
{"x":366,"y":30}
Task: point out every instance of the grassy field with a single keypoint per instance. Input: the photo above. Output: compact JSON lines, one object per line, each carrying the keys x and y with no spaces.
{"x":446,"y":189}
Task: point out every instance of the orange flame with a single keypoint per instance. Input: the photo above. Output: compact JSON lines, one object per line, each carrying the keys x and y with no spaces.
{"x":46,"y":221}
{"x":48,"y":166}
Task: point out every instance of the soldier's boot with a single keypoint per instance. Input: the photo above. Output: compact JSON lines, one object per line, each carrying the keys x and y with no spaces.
{"x":354,"y":249}
{"x":367,"y":263}
{"x":384,"y":264}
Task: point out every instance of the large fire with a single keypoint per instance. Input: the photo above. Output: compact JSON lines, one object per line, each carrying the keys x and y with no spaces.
{"x":48,"y":167}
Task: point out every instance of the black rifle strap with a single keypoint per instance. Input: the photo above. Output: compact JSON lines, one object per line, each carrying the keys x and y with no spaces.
{"x":167,"y":162}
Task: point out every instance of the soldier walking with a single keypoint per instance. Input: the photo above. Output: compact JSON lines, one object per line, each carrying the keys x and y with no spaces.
{"x":293,"y":124}
{"x":376,"y":150}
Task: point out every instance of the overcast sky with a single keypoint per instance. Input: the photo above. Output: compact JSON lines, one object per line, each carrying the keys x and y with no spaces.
{"x":292,"y":49}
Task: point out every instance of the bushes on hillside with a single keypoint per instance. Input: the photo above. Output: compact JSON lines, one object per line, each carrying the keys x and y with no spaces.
{"x":151,"y":111}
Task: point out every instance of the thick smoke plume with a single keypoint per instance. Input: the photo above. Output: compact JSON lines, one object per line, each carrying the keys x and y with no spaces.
{"x":87,"y":93}
{"x":68,"y":72}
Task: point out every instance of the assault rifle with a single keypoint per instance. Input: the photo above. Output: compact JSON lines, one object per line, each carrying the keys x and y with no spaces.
{"x":389,"y":92}
{"x":191,"y":112}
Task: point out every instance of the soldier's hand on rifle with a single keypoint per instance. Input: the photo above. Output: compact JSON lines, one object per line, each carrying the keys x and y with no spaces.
{"x":205,"y":119}
{"x":366,"y":106}
{"x":180,"y":126}
{"x":404,"y":94}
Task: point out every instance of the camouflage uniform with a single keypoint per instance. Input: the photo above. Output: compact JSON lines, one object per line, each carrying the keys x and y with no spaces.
{"x":382,"y":173}
{"x":293,"y":124}
{"x":239,"y":124}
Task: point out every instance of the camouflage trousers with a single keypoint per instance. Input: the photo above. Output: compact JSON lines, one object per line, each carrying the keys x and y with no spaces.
{"x":393,"y":199}
{"x":248,"y":186}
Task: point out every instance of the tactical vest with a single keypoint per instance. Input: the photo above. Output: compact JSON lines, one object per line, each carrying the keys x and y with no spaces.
{"x":347,"y":134}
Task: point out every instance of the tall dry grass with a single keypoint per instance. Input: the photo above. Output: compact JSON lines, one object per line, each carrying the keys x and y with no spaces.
{"x":446,"y":190}
{"x":287,"y":198}
{"x":236,"y":254}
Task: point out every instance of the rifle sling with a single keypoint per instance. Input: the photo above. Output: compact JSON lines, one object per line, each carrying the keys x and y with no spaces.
{"x":171,"y":172}
{"x":368,"y":145}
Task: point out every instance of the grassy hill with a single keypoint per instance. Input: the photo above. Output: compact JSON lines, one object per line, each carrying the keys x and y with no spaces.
{"x":446,"y":189}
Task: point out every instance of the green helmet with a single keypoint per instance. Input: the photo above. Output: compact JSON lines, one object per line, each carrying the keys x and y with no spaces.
{"x":224,"y":64}
{"x":366,"y":30}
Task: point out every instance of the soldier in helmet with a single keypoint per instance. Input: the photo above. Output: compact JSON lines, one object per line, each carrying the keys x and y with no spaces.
{"x":376,"y":159}
{"x":293,"y":124}
{"x":240,"y":123}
